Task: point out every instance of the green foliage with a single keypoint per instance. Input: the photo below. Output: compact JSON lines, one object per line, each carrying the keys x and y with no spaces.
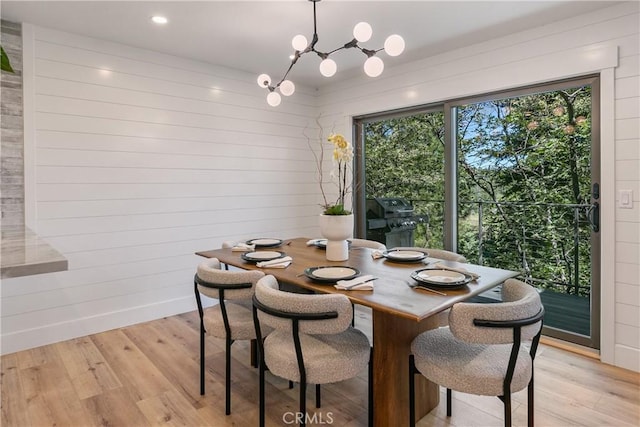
{"x":523,"y":181}
{"x":336,"y":210}
{"x":405,"y":158}
{"x":6,"y":64}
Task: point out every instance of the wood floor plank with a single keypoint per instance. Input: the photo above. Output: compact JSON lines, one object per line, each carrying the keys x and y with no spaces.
{"x":170,"y":408}
{"x":89,"y":372}
{"x":175,"y":362}
{"x":50,"y":396}
{"x":115,"y":407}
{"x":138,"y":374}
{"x":151,"y":377}
{"x":14,"y":403}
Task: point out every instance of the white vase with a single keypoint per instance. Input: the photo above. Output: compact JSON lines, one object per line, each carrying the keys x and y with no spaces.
{"x":337,"y":229}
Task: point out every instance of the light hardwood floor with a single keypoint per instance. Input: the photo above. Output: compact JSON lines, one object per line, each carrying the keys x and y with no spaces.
{"x":147,"y":374}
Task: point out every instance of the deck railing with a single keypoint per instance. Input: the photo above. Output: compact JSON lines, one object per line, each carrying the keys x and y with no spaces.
{"x":549,"y":242}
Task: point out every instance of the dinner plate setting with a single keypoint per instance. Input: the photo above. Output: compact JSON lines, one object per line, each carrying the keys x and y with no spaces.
{"x":400,"y":255}
{"x":322,"y":243}
{"x":258,"y":256}
{"x":437,"y":277}
{"x":330,"y":273}
{"x":264,"y":242}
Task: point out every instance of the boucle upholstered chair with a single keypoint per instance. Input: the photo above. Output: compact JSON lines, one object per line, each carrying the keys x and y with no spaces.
{"x":481,"y":352}
{"x":229,"y":320}
{"x":364,"y":243}
{"x":312,"y":341}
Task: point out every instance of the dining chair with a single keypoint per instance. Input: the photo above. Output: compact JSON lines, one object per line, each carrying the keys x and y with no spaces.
{"x":364,"y":243}
{"x":231,"y":318}
{"x":312,"y":340}
{"x":482,"y":351}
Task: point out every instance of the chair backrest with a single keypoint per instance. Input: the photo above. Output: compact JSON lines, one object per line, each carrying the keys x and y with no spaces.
{"x":437,"y":253}
{"x":519,"y":301}
{"x":364,"y":243}
{"x":269,"y":294}
{"x":212,"y":278}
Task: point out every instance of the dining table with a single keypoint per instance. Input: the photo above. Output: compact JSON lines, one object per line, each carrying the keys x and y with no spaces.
{"x":400,"y":311}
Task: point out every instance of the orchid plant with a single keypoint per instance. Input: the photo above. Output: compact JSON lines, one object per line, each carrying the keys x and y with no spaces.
{"x":340,"y":174}
{"x":342,"y":158}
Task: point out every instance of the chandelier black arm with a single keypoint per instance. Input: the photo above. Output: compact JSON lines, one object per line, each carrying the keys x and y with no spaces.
{"x":293,"y":62}
{"x":311,"y":47}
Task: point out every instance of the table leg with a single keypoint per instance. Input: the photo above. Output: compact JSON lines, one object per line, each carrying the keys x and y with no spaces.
{"x":392,"y":337}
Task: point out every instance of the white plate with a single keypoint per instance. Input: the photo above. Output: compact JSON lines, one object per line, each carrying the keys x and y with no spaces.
{"x":401,"y":255}
{"x":331,"y":274}
{"x":264,"y":242}
{"x":262,"y":255}
{"x":441,"y":276}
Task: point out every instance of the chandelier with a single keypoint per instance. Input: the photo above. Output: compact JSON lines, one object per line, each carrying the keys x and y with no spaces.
{"x":373,"y":66}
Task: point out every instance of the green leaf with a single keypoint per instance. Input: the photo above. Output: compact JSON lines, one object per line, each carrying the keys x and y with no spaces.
{"x":6,"y":64}
{"x":336,"y":210}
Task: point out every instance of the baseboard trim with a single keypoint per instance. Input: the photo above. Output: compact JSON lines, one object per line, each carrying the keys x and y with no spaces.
{"x":569,"y":346}
{"x":49,"y":334}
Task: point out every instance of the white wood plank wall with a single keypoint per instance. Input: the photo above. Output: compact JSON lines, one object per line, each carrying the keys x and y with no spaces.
{"x":608,"y":39}
{"x":141,"y":159}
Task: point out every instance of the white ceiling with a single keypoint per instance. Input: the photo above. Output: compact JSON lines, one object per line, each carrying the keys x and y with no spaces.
{"x":255,"y":36}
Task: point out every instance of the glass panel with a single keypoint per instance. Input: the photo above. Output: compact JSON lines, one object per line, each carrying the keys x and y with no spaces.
{"x":404,"y":158}
{"x":524,"y":195}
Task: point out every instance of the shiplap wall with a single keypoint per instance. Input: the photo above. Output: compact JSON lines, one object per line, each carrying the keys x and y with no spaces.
{"x":139,"y":160}
{"x":607,"y":41}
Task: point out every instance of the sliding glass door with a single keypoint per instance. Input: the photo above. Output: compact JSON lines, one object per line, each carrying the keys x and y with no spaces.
{"x":528,"y":195}
{"x":509,"y":180}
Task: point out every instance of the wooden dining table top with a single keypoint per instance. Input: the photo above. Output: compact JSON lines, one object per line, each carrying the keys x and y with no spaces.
{"x":391,"y":292}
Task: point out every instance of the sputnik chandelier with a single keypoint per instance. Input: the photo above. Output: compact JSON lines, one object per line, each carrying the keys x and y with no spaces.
{"x":373,"y":66}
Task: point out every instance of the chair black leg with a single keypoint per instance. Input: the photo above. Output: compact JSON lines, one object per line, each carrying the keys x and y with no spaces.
{"x":318,"y":397}
{"x":353,"y":315}
{"x":303,"y":402}
{"x":370,"y":388}
{"x":290,"y":384}
{"x":254,"y":353}
{"x":227,"y":382}
{"x":201,"y":360}
{"x":448,"y":402}
{"x":530,"y":403}
{"x":507,"y":409}
{"x":412,"y":394}
{"x":261,"y":381}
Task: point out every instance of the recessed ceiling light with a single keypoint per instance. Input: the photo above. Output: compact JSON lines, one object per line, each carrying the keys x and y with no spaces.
{"x":159,"y":19}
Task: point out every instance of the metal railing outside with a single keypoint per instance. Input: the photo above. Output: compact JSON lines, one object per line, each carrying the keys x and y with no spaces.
{"x":549,"y":243}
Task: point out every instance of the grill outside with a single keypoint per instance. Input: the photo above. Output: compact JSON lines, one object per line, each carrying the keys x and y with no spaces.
{"x":392,"y":221}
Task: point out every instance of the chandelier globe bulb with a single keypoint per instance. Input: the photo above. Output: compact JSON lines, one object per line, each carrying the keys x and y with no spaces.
{"x":287,"y":88}
{"x":362,"y":32}
{"x":299,"y":42}
{"x":394,"y":45}
{"x":373,"y":66}
{"x":328,"y":67}
{"x":264,"y":80}
{"x":274,"y":99}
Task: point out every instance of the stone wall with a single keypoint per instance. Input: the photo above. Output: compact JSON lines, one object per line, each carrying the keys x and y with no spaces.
{"x":11,"y":129}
